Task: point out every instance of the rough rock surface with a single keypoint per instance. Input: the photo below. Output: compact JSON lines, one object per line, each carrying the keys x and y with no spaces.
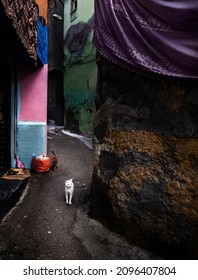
{"x":146,"y":160}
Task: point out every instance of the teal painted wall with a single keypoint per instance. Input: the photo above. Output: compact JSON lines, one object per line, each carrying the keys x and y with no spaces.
{"x":80,"y":73}
{"x":31,"y":138}
{"x":13,"y":123}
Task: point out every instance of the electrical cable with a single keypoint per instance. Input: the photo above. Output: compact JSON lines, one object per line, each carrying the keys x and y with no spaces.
{"x":81,"y":62}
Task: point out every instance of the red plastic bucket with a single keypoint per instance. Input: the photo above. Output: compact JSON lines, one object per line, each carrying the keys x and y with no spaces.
{"x":41,"y":165}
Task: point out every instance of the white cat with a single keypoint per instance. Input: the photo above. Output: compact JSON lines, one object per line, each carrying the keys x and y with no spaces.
{"x":69,"y":190}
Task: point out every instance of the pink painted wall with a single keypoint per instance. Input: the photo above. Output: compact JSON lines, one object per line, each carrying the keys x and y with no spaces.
{"x":33,"y":101}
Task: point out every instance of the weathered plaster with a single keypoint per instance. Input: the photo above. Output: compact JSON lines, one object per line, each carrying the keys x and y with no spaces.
{"x":31,"y":139}
{"x":80,"y":70}
{"x":80,"y":86}
{"x":32,"y":114}
{"x":33,"y":95}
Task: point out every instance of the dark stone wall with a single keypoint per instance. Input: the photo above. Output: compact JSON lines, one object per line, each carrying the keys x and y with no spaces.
{"x":145,"y":179}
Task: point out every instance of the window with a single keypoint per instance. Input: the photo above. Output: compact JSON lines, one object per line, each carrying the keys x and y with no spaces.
{"x":73,"y":12}
{"x":73,"y":6}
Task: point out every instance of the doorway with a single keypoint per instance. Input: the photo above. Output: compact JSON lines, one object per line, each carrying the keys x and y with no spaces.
{"x":5,"y":115}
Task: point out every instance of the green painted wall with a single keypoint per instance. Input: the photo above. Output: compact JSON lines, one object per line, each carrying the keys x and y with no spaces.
{"x":80,"y":74}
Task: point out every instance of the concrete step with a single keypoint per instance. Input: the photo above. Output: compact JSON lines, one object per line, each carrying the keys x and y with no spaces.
{"x":10,"y":193}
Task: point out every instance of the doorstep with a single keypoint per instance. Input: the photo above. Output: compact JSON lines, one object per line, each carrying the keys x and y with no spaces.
{"x":10,"y":193}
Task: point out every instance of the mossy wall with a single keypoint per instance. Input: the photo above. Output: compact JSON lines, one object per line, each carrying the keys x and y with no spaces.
{"x":145,"y":178}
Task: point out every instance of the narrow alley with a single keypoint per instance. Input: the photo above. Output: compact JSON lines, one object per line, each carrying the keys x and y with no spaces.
{"x":42,"y":226}
{"x":123,"y":74}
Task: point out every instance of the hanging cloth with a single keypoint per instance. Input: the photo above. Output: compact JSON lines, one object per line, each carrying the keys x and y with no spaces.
{"x":24,"y":19}
{"x":159,"y":36}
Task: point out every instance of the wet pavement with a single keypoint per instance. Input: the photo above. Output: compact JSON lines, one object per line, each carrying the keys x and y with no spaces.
{"x":42,"y":226}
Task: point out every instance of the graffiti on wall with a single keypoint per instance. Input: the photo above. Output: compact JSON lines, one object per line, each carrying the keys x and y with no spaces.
{"x":80,"y":56}
{"x":76,"y":41}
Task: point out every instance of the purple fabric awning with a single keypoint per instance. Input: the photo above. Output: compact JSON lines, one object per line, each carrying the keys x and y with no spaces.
{"x":159,"y":36}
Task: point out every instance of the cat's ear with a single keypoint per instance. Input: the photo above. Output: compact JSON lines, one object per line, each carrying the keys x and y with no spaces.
{"x":71,"y":180}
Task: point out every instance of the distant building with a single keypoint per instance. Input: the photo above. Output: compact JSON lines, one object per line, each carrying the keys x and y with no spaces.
{"x":23,"y":81}
{"x":55,"y":61}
